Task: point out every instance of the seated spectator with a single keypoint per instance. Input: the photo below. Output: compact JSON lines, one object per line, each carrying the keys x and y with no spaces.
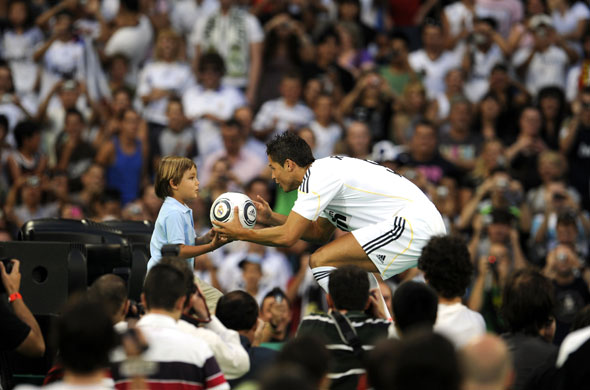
{"x":28,"y":158}
{"x":85,"y":337}
{"x":488,"y":119}
{"x":447,"y":268}
{"x":458,"y":144}
{"x":381,"y":363}
{"x":237,"y":310}
{"x":486,"y":364}
{"x":276,"y":312}
{"x":285,"y":113}
{"x":398,"y":72}
{"x":571,"y":291}
{"x":326,"y":130}
{"x":553,"y":107}
{"x":176,"y":139}
{"x":426,"y":361}
{"x":527,"y":306}
{"x":210,"y":103}
{"x":93,"y":184}
{"x":11,"y":106}
{"x":424,"y":156}
{"x":411,"y":108}
{"x":244,"y":164}
{"x":415,"y":305}
{"x":197,"y":321}
{"x":433,"y":61}
{"x":124,"y":158}
{"x":349,"y":296}
{"x":74,"y":154}
{"x":454,"y":89}
{"x":357,"y":141}
{"x":111,"y":292}
{"x":32,"y":206}
{"x":309,"y":353}
{"x":181,"y":359}
{"x":546,"y":62}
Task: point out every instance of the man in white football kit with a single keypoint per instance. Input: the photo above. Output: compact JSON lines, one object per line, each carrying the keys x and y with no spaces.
{"x":388,"y":218}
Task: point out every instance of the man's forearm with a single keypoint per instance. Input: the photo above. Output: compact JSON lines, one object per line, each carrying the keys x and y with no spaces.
{"x":34,"y":345}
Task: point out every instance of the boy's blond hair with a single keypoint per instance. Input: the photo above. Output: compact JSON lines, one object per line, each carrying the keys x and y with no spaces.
{"x":171,"y":168}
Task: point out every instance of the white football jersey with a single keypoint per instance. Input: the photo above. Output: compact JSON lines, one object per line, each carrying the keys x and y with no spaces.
{"x":354,"y":193}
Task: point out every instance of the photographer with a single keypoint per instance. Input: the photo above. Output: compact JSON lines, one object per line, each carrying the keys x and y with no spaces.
{"x":350,"y":301}
{"x":19,"y":329}
{"x":571,"y":291}
{"x":562,"y":222}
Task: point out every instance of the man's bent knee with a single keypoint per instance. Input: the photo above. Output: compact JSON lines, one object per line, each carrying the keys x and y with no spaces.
{"x":318,"y":259}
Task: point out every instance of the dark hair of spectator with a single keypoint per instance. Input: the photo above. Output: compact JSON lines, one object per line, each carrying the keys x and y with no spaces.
{"x":289,"y":146}
{"x":25,"y":130}
{"x":237,"y":310}
{"x":212,"y":60}
{"x":4,"y":64}
{"x":400,"y":36}
{"x":170,"y":168}
{"x":415,"y":305}
{"x":585,"y":90}
{"x":292,"y":75}
{"x":271,"y":44}
{"x":499,"y":67}
{"x":427,"y":123}
{"x":381,"y":363}
{"x":527,"y":302}
{"x":74,"y":111}
{"x":29,"y":20}
{"x":65,"y":12}
{"x":4,"y":122}
{"x":110,"y":291}
{"x":447,"y":266}
{"x":567,"y":218}
{"x":428,"y":361}
{"x":286,"y":377}
{"x":232,"y":122}
{"x":257,"y":179}
{"x":489,"y":21}
{"x":273,"y":293}
{"x":327,"y":33}
{"x":310,"y":353}
{"x":582,"y":319}
{"x":349,"y":288}
{"x":163,"y":286}
{"x":85,"y":336}
{"x":502,"y":216}
{"x":174,"y":100}
{"x":130,"y":5}
{"x":182,"y":266}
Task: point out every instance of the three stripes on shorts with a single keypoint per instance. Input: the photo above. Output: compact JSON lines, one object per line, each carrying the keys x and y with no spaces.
{"x":399,"y":224}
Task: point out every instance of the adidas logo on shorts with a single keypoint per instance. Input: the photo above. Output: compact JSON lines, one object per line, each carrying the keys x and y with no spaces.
{"x":381,"y":258}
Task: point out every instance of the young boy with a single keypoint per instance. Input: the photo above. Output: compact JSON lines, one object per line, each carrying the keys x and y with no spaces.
{"x":176,"y":182}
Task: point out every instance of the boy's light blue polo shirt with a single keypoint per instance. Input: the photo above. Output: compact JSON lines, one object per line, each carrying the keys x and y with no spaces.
{"x":175,"y":225}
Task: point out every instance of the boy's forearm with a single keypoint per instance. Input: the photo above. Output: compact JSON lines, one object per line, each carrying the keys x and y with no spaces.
{"x":188,"y":251}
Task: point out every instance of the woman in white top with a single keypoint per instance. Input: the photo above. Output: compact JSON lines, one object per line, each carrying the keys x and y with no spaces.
{"x":164,"y":78}
{"x":570,"y":19}
{"x":17,"y":46}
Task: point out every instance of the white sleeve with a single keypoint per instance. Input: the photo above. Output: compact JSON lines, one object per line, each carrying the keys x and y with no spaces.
{"x":144,"y":85}
{"x":263,"y":119}
{"x":255,"y":33}
{"x":520,"y":56}
{"x":317,"y":190}
{"x":225,"y":345}
{"x":581,"y":11}
{"x":571,"y":84}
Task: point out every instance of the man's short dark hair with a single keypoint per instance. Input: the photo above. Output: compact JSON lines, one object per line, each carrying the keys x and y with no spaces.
{"x":381,"y":363}
{"x":447,"y":265}
{"x":237,"y":310}
{"x":110,"y":291}
{"x":182,"y":266}
{"x":85,"y":336}
{"x":25,"y":130}
{"x":211,"y":60}
{"x":429,"y":361}
{"x":163,"y":286}
{"x":527,"y":302}
{"x":415,"y":305}
{"x":400,"y":36}
{"x":76,"y":112}
{"x":310,"y":353}
{"x":289,"y":146}
{"x":349,"y":288}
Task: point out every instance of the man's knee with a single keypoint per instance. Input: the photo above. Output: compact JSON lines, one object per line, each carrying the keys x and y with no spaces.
{"x":317,"y":259}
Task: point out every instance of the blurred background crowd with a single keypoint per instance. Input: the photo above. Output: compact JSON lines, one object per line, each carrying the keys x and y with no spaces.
{"x":484,"y":104}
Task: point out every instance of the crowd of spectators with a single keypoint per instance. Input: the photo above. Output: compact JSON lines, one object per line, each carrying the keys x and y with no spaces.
{"x":483,"y":104}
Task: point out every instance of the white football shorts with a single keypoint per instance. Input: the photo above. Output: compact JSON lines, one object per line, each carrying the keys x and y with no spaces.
{"x":395,"y":244}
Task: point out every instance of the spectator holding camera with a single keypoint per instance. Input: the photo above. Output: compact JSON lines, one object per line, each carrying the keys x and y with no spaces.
{"x":574,"y":143}
{"x":571,"y":291}
{"x":350,"y":301}
{"x":562,"y":221}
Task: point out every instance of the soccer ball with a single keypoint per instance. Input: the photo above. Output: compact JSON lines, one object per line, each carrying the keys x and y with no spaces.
{"x":223,"y":209}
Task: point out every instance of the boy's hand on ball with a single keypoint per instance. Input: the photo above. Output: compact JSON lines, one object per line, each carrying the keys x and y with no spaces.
{"x":219,"y":240}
